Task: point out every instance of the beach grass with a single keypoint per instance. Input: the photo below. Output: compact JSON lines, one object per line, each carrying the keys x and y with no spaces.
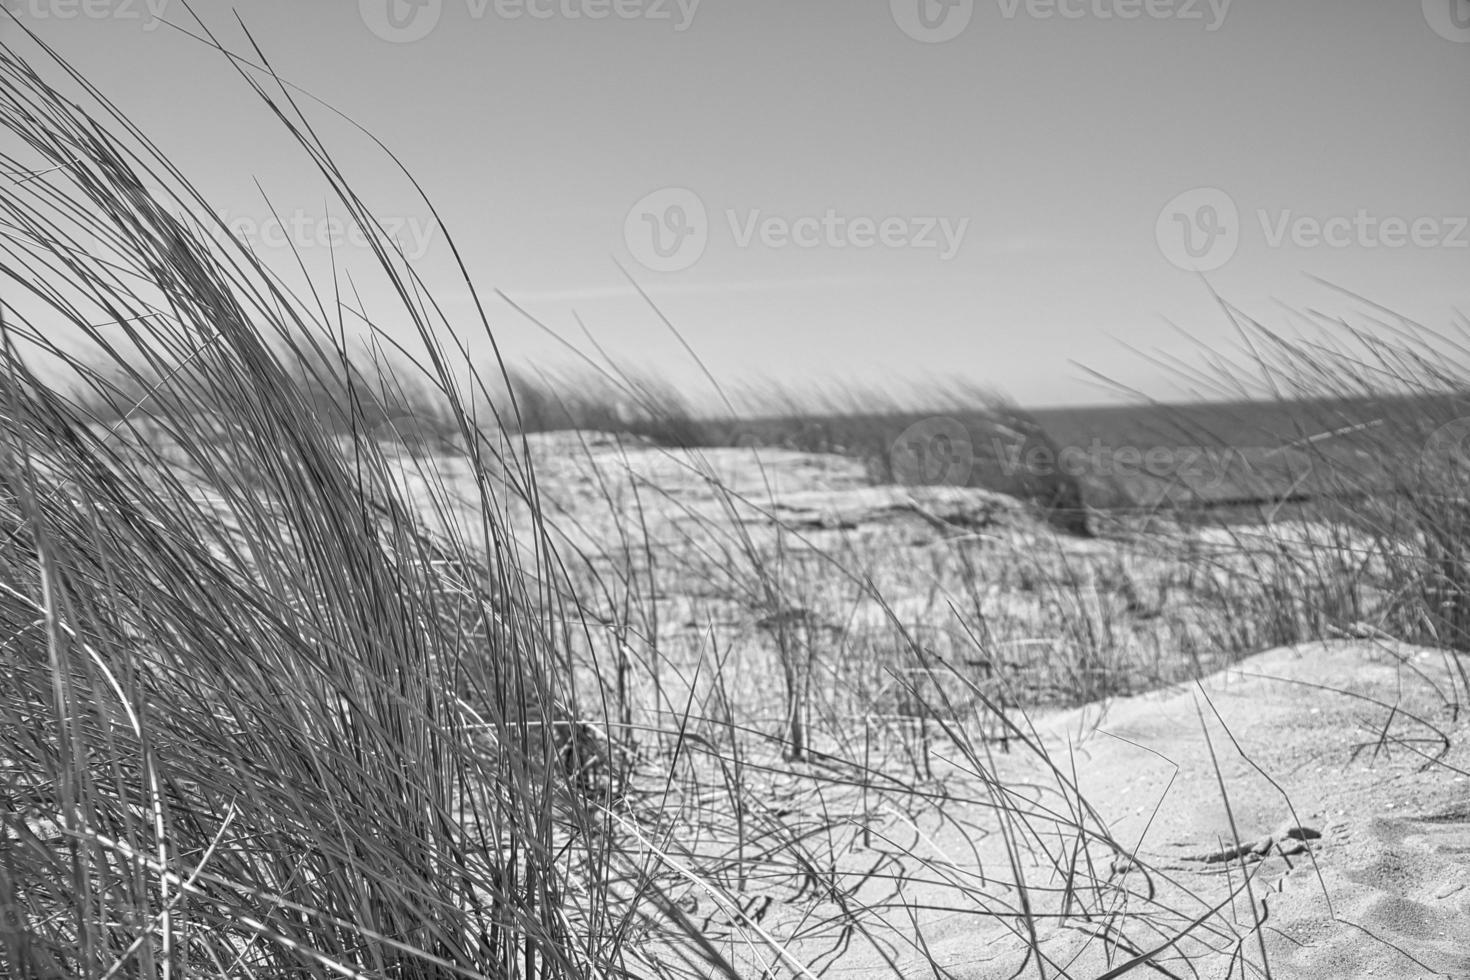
{"x":282,"y":700}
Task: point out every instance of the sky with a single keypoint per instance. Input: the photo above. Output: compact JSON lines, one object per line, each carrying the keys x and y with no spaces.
{"x":1015,"y":192}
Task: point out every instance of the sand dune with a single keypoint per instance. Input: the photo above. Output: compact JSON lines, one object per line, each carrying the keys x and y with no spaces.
{"x":1353,"y":806}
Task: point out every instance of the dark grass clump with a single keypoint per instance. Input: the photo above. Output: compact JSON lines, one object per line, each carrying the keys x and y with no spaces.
{"x":257,"y":719}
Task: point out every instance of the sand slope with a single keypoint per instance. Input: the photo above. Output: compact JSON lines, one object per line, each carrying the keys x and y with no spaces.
{"x":1378,"y":768}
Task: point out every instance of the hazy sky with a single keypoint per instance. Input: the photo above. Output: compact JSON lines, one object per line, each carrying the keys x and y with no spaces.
{"x":832,"y":188}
